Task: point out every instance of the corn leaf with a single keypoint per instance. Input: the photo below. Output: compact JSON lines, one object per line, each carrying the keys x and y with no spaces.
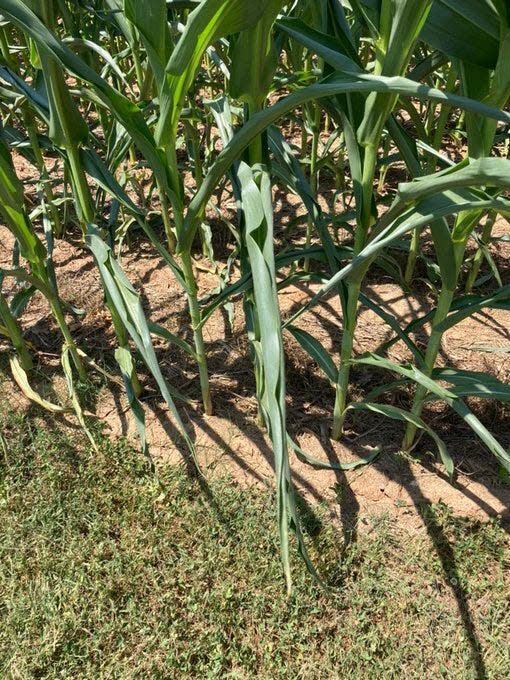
{"x":475,"y":35}
{"x":474,"y":303}
{"x":426,"y":212}
{"x":482,"y":172}
{"x":396,"y":413}
{"x":71,"y":389}
{"x":444,"y":394}
{"x":327,"y":465}
{"x":316,"y":350}
{"x":125,"y":361}
{"x":332,"y":86}
{"x":473,"y":384}
{"x":257,"y":208}
{"x":20,"y":376}
{"x":129,"y":308}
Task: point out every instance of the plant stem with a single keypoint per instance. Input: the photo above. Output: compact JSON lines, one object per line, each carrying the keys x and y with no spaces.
{"x":15,"y":336}
{"x":414,"y":249}
{"x":170,"y":237}
{"x":189,"y":275}
{"x":477,"y":260}
{"x":140,"y":77}
{"x":433,"y":347}
{"x":196,"y":319}
{"x":369,"y":163}
{"x":353,"y":292}
{"x":41,"y":166}
{"x":313,"y":177}
{"x":60,"y":319}
{"x":81,"y":187}
{"x":256,"y":157}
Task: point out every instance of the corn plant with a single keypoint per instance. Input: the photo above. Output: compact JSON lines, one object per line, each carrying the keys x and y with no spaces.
{"x":120,"y":86}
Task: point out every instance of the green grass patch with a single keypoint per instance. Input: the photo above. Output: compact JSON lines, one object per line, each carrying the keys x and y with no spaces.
{"x":107,"y":571}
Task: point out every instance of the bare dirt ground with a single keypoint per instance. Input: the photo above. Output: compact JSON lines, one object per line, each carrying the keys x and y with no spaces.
{"x":230,"y":442}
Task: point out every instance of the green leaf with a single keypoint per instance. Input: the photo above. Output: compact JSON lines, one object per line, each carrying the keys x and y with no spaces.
{"x":268,"y":345}
{"x":471,"y":304}
{"x":396,"y":413}
{"x":446,"y":395}
{"x":327,"y":465}
{"x":116,"y":8}
{"x":97,"y":169}
{"x":482,"y":172}
{"x":339,"y":54}
{"x":125,"y":361}
{"x":161,"y":332}
{"x":464,"y":29}
{"x":66,"y":123}
{"x":128,"y":307}
{"x":316,"y":350}
{"x":426,"y":212}
{"x":490,"y":349}
{"x":394,"y":325}
{"x":473,"y":384}
{"x":337,"y":84}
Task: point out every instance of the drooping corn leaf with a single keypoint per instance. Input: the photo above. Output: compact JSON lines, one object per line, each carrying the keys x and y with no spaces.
{"x":328,"y":465}
{"x":426,"y":212}
{"x":474,"y":303}
{"x":128,"y":307}
{"x":473,"y":384}
{"x":75,"y":401}
{"x":493,"y":172}
{"x":258,"y":212}
{"x":316,"y":350}
{"x":20,"y":376}
{"x":125,"y":361}
{"x":444,"y":394}
{"x":396,"y":413}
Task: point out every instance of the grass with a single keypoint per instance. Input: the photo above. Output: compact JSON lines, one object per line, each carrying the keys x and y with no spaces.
{"x":107,"y":571}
